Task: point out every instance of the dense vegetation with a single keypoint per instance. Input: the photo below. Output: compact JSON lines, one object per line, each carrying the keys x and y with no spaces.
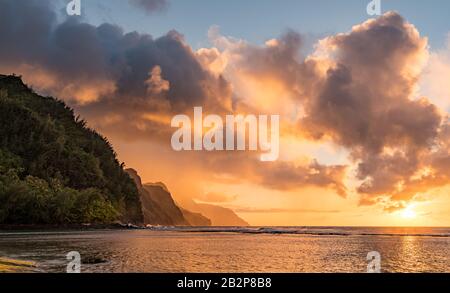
{"x":54,"y":169}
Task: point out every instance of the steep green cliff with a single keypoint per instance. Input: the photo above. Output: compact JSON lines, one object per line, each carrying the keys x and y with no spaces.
{"x":53,"y":168}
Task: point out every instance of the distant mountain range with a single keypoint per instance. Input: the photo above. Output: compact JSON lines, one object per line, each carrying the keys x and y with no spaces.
{"x":55,"y":170}
{"x":219,"y":216}
{"x":159,"y":208}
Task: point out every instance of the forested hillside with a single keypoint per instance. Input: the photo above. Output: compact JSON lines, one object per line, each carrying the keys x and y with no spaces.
{"x":54,"y":169}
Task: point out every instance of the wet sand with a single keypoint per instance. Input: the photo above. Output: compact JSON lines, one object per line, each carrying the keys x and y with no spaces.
{"x":8,"y":265}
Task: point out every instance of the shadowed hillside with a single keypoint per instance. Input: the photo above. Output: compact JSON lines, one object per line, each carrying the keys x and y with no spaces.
{"x":159,"y":208}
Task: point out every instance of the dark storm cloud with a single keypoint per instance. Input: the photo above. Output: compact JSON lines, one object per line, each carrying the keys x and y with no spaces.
{"x":91,"y":64}
{"x":22,"y":24}
{"x":151,"y":6}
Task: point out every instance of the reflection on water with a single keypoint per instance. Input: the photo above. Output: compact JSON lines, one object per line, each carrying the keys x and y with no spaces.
{"x":218,"y":251}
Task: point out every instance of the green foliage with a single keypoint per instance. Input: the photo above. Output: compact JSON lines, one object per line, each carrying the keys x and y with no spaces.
{"x":54,"y":169}
{"x":34,"y":200}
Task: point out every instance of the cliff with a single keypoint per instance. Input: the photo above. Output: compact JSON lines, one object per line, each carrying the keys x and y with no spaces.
{"x":53,"y":168}
{"x":159,"y":208}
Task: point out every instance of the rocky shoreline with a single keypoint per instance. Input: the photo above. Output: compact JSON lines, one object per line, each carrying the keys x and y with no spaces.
{"x":114,"y":226}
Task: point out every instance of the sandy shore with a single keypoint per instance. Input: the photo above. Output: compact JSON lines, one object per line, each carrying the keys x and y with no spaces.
{"x":8,"y":265}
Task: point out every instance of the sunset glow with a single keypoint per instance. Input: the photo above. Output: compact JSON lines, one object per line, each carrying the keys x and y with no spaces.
{"x":363,"y":127}
{"x":225,"y":144}
{"x":409,"y":213}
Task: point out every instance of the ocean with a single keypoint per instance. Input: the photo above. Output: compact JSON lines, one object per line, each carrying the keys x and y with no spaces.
{"x":234,"y":249}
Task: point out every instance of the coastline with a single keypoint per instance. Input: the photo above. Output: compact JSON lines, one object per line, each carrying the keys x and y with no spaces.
{"x":440,"y":232}
{"x":70,"y":227}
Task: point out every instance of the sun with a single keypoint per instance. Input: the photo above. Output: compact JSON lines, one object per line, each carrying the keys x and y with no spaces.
{"x":409,"y":213}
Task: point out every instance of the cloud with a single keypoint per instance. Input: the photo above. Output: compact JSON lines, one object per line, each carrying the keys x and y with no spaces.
{"x":374,"y":79}
{"x":150,"y":6}
{"x":66,"y":59}
{"x":368,"y":103}
{"x":278,"y":175}
{"x":108,"y":75}
{"x":360,"y":91}
{"x":216,"y":197}
{"x":155,"y":83}
{"x":434,"y":82}
{"x":284,"y":210}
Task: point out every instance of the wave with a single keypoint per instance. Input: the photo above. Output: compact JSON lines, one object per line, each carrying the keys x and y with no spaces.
{"x":314,"y":231}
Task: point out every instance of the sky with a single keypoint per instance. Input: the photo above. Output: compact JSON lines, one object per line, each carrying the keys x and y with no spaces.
{"x":259,"y":20}
{"x":363,"y":101}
